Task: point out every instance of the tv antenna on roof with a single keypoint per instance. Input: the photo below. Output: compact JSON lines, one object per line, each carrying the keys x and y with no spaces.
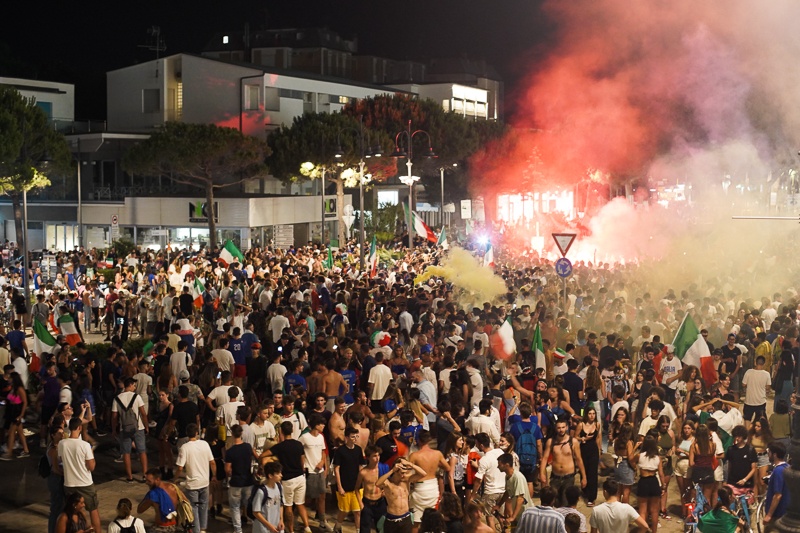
{"x":157,"y":45}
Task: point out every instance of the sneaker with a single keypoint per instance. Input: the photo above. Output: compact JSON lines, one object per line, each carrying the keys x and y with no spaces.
{"x":337,"y":528}
{"x":119,"y":459}
{"x":130,"y":481}
{"x":42,"y":444}
{"x":28,"y":433}
{"x":307,"y":529}
{"x":324,"y":526}
{"x":24,"y":455}
{"x":5,"y":457}
{"x":101,"y":433}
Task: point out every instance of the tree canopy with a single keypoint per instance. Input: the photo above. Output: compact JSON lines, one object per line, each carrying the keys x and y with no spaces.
{"x":30,"y":149}
{"x":203,"y":155}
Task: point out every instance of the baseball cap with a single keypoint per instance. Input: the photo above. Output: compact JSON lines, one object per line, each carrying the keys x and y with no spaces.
{"x":184,"y":375}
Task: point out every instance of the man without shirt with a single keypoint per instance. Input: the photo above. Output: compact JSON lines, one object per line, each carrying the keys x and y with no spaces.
{"x":373,"y":503}
{"x":426,"y":489}
{"x":396,"y":487}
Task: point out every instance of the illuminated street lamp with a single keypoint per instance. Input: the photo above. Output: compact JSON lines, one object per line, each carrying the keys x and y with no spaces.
{"x":409,"y":180}
{"x":442,"y":170}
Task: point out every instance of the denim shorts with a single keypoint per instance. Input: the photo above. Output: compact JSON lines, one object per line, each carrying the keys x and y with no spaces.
{"x":624,"y":474}
{"x":138,"y":438}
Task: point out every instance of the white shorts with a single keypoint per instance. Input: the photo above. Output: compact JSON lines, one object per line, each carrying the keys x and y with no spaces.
{"x":424,"y":496}
{"x":294,"y":491}
{"x":718,"y":473}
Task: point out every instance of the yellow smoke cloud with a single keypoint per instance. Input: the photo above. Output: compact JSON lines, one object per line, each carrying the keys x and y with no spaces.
{"x":467,"y":273}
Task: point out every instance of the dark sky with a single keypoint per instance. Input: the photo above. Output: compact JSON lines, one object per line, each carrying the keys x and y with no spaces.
{"x":78,"y":42}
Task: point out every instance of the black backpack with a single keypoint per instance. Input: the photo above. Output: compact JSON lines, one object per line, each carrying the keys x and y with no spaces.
{"x":129,"y":529}
{"x":129,"y":419}
{"x":253,"y":492}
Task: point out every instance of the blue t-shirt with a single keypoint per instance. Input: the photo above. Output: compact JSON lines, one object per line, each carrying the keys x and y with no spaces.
{"x":408,"y":434}
{"x":236,"y":347}
{"x":15,"y":339}
{"x":248,"y":339}
{"x":293,"y":380}
{"x":349,"y":378}
{"x":389,"y":406}
{"x":777,"y":485}
{"x":516,"y":426}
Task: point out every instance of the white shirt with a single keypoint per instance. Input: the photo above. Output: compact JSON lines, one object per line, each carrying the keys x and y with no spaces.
{"x":21,"y":368}
{"x":227,"y":413}
{"x":179,"y":361}
{"x":224,"y":359}
{"x":379,"y":376}
{"x":670,"y":369}
{"x":444,"y":377}
{"x":612,"y":517}
{"x":138,"y":524}
{"x":125,"y":399}
{"x":314,"y":448}
{"x":477,"y":386}
{"x":728,"y":421}
{"x":494,"y":481}
{"x":262,"y":434}
{"x":406,"y":321}
{"x":275,"y":374}
{"x":220,"y":395}
{"x":276,"y":326}
{"x":484,"y":424}
{"x":484,"y":338}
{"x":756,"y":382}
{"x":195,"y":457}
{"x":73,"y":454}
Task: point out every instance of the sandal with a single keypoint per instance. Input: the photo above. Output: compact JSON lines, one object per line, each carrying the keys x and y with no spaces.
{"x":665,"y":515}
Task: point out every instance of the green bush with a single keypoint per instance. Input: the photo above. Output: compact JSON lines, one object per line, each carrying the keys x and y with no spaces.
{"x":135,"y":345}
{"x":109,"y":273}
{"x":98,"y":350}
{"x":123,"y":247}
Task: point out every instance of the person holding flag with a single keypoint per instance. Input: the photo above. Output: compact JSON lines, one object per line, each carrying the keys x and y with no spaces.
{"x":691,"y":349}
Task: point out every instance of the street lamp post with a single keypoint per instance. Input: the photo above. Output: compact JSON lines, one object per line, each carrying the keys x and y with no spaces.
{"x":442,"y":169}
{"x":26,"y":262}
{"x":409,"y":179}
{"x":365,"y":152}
{"x":322,"y":235}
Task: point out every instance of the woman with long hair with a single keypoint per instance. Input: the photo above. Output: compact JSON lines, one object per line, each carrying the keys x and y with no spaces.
{"x":55,"y":481}
{"x":760,"y":437}
{"x":16,"y":406}
{"x":392,"y":400}
{"x":636,"y":391}
{"x":167,"y":381}
{"x":666,"y":450}
{"x":621,"y":417}
{"x":452,"y":512}
{"x":782,"y":378}
{"x":701,"y":460}
{"x":432,"y":522}
{"x":683,"y":446}
{"x":399,"y":363}
{"x":624,"y":455}
{"x":590,"y":434}
{"x":508,"y":443}
{"x":594,"y":388}
{"x":73,"y":518}
{"x":455,"y":453}
{"x":651,"y":486}
{"x":124,"y":518}
{"x":721,"y":519}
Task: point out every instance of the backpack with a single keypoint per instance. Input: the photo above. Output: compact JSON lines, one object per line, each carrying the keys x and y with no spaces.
{"x":184,"y":510}
{"x":253,"y":491}
{"x":526,"y":449}
{"x":129,"y":529}
{"x":129,"y":419}
{"x":44,"y":467}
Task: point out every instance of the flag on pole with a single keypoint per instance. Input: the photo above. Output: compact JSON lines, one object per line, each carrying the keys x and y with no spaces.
{"x":373,"y":257}
{"x":420,"y":227}
{"x":147,"y":348}
{"x":43,"y":342}
{"x":197,"y":293}
{"x":468,"y":228}
{"x":488,"y":257}
{"x":66,"y":324}
{"x":691,"y":349}
{"x":443,"y":240}
{"x":502,"y":341}
{"x":538,"y":348}
{"x":328,"y":263}
{"x":230,"y":254}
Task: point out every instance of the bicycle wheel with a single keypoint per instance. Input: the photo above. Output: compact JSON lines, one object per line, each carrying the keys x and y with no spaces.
{"x":760,"y":516}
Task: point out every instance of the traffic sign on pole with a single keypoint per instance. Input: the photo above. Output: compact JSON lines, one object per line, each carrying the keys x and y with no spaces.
{"x":564,"y":241}
{"x":564,"y":267}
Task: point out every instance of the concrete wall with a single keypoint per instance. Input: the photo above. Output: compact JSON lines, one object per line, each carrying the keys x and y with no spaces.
{"x":59,"y":96}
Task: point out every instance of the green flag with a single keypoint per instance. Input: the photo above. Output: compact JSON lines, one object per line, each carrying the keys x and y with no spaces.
{"x":329,"y":262}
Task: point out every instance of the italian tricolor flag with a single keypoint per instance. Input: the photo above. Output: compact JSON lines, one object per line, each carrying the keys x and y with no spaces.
{"x":538,"y":348}
{"x":230,"y":254}
{"x":488,"y":257}
{"x":420,"y":227}
{"x":691,"y":349}
{"x":373,"y":258}
{"x":43,"y":342}
{"x":197,"y":292}
{"x":66,"y":324}
{"x":443,"y":240}
{"x":502,"y":341}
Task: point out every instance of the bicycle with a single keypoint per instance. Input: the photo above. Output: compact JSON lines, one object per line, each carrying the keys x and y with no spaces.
{"x":695,"y":507}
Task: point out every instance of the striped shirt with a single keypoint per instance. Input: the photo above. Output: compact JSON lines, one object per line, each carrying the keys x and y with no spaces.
{"x":541,"y":520}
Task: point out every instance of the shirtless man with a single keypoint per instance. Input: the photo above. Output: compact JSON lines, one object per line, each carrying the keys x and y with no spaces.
{"x":395,"y":485}
{"x":315,"y":380}
{"x":356,"y":420}
{"x":360,"y":406}
{"x":336,"y":424}
{"x":373,"y":504}
{"x":566,"y":453}
{"x":152,"y":499}
{"x":426,"y":488}
{"x":332,"y":383}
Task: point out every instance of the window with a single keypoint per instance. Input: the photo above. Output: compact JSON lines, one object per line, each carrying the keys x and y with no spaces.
{"x":272,"y":100}
{"x":151,"y":100}
{"x":47,"y":107}
{"x":251,"y":97}
{"x":388,"y":197}
{"x":446,"y":105}
{"x":224,"y":39}
{"x":179,"y":101}
{"x":344,"y":100}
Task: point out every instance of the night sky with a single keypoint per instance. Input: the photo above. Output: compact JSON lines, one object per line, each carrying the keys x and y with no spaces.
{"x":78,"y":42}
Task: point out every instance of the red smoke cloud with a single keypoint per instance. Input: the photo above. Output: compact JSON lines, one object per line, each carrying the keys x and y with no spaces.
{"x":653,"y":89}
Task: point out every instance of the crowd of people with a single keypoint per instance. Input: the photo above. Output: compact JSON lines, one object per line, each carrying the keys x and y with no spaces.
{"x":278,"y":384}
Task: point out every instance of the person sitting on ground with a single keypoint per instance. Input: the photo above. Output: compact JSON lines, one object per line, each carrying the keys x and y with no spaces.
{"x":125,"y":519}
